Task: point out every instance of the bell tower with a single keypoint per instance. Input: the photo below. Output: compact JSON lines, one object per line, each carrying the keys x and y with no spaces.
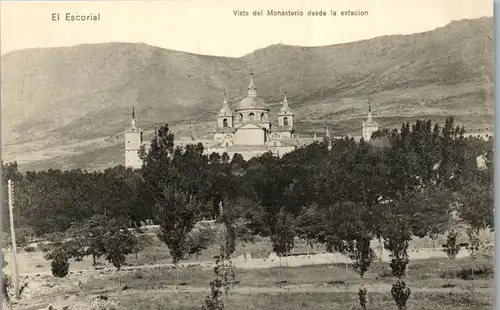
{"x":369,"y":126}
{"x":225,"y":117}
{"x":285,"y":116}
{"x":133,"y":142}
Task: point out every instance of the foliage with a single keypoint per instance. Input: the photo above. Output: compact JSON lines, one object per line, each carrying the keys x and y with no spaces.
{"x":451,"y":248}
{"x":199,"y":239}
{"x":396,"y":240}
{"x":362,"y":293}
{"x":362,"y":255}
{"x":339,"y":192}
{"x":117,"y":244}
{"x":60,"y":264}
{"x":400,"y":293}
{"x":177,"y":213}
{"x":214,"y":300}
{"x":283,"y":234}
{"x":6,"y":281}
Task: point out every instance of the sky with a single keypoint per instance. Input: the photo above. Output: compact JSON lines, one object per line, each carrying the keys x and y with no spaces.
{"x":210,"y":27}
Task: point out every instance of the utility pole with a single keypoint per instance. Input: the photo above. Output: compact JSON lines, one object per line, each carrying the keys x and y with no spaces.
{"x":13,"y":236}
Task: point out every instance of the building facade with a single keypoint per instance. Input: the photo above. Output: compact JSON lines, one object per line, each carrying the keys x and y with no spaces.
{"x":133,"y":143}
{"x":248,"y":130}
{"x":245,"y":129}
{"x":369,"y":126}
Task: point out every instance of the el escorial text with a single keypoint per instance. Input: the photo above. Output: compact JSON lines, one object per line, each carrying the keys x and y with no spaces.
{"x":70,"y":17}
{"x":300,"y":13}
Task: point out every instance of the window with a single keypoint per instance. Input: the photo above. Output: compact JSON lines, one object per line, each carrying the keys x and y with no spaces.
{"x":224,"y":122}
{"x":262,"y":116}
{"x":252,"y":116}
{"x":240,"y":117}
{"x":285,"y":121}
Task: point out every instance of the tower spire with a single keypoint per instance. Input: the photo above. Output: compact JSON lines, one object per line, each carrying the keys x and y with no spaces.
{"x":132,"y":121}
{"x":369,"y":119}
{"x":191,"y":133}
{"x":224,"y":103}
{"x":285,"y":101}
{"x":252,"y":90}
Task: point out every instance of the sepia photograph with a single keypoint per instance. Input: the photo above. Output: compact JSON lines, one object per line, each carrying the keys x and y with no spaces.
{"x":226,"y":154}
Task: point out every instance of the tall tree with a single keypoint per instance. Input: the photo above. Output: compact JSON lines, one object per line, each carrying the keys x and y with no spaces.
{"x":176,"y":212}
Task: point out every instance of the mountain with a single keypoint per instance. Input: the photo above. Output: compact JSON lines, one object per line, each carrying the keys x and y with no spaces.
{"x":68,"y":107}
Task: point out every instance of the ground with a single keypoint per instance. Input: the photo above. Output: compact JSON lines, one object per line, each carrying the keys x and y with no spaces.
{"x":315,"y":281}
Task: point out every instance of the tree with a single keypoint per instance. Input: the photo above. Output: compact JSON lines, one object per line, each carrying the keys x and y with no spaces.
{"x":60,"y":264}
{"x":362,"y":255}
{"x":233,"y":220}
{"x":397,"y":237}
{"x":177,"y":212}
{"x":86,"y":238}
{"x":451,"y":247}
{"x":143,"y":241}
{"x":214,"y":301}
{"x":118,"y":243}
{"x":307,"y":222}
{"x":282,"y":235}
{"x":476,"y":209}
{"x":199,"y":239}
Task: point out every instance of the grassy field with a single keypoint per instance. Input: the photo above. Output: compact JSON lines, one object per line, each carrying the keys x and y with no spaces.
{"x":435,"y":283}
{"x":148,"y":281}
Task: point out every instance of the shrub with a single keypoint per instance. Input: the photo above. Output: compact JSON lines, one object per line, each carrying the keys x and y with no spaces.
{"x":43,"y":247}
{"x":400,"y":293}
{"x":29,"y":249}
{"x":60,"y":266}
{"x":466,"y":273}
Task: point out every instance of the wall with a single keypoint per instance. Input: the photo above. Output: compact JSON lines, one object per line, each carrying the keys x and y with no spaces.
{"x":249,"y":136}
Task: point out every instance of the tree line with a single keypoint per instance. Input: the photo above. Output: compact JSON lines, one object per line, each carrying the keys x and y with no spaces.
{"x":340,"y":193}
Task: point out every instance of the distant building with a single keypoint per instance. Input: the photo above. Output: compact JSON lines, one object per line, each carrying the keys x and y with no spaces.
{"x":133,"y":142}
{"x":369,"y":126}
{"x":480,"y":134}
{"x":246,"y":130}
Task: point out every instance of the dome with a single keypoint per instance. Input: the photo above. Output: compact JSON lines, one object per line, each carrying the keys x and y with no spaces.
{"x":252,"y":103}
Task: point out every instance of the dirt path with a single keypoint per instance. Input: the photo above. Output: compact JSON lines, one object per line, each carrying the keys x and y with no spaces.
{"x":305,"y":288}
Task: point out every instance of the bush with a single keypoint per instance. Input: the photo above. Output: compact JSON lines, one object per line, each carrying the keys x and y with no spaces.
{"x":60,"y":266}
{"x":29,"y":249}
{"x":43,"y":247}
{"x":466,"y":273}
{"x":483,"y":272}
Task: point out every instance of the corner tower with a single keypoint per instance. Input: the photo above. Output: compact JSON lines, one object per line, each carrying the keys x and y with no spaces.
{"x":133,"y":142}
{"x":225,"y":117}
{"x":285,"y":120}
{"x":369,"y":126}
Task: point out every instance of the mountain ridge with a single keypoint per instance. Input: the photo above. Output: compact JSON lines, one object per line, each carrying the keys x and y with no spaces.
{"x":64,"y":106}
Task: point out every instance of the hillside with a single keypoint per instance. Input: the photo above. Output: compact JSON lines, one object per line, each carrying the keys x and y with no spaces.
{"x":68,"y":107}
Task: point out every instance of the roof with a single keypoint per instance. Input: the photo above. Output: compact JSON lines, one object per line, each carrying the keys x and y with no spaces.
{"x":250,"y":125}
{"x":242,"y":148}
{"x":225,"y":129}
{"x":252,"y":103}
